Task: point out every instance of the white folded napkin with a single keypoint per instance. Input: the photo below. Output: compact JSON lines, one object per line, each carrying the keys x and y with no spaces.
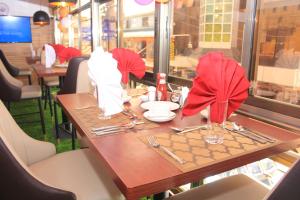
{"x":50,"y":56}
{"x":103,"y":72}
{"x":32,"y":51}
{"x":184,"y":93}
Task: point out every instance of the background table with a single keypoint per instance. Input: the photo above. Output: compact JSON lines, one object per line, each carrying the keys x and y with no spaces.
{"x":138,"y":170}
{"x":42,"y":72}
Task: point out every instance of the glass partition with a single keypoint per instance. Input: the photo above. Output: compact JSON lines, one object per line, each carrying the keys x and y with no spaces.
{"x":201,"y":26}
{"x":85,"y":32}
{"x":277,"y":56}
{"x":75,"y":31}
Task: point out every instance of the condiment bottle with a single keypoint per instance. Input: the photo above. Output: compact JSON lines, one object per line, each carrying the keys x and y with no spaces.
{"x":161,"y":87}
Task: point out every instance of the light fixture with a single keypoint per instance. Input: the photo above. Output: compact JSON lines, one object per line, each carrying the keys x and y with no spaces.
{"x":161,"y":1}
{"x":62,"y":3}
{"x":41,"y":18}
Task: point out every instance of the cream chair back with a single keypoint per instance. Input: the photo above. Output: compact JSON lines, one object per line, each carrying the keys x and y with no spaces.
{"x":10,"y":78}
{"x":17,"y":179}
{"x":20,"y":141}
{"x":83,"y":84}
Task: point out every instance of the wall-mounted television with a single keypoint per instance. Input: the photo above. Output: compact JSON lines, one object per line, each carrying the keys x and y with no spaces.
{"x":15,"y":29}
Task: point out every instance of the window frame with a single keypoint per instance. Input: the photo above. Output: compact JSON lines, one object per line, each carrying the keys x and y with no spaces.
{"x":257,"y":107}
{"x":275,"y":110}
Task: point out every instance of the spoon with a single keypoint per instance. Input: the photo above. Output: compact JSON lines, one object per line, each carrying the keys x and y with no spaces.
{"x":187,"y":129}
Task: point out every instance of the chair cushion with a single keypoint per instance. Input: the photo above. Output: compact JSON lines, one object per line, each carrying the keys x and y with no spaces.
{"x":79,"y":172}
{"x":31,"y":91}
{"x":83,"y":143}
{"x":25,"y":72}
{"x":51,"y":81}
{"x":230,"y":188}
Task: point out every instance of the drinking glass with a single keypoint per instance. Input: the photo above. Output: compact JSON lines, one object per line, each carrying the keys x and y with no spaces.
{"x":215,"y":130}
{"x":175,"y":96}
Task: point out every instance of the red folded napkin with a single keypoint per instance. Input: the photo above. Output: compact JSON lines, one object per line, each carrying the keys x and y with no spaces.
{"x":129,"y":62}
{"x":219,"y":79}
{"x":68,"y":53}
{"x":58,"y":48}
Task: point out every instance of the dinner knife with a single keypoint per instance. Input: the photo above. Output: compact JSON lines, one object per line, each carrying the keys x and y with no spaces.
{"x":251,"y":136}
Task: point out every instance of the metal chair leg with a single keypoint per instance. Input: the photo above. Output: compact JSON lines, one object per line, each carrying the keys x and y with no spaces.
{"x":29,"y":79}
{"x":50,"y":100}
{"x":42,"y":115}
{"x":56,"y":121}
{"x":73,"y":137}
{"x":45,"y":97}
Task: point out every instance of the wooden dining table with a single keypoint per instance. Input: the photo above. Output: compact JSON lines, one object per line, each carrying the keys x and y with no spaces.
{"x":140,"y":170}
{"x":42,"y":72}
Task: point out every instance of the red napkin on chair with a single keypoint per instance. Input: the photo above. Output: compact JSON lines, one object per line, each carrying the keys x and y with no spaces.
{"x":129,"y":62}
{"x":219,"y":79}
{"x":68,"y":53}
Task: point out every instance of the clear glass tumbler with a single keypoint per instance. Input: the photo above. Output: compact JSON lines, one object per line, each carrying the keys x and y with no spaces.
{"x":215,"y":130}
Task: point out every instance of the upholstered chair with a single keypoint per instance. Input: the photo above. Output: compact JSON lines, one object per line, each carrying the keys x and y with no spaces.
{"x":76,"y":81}
{"x":245,"y":188}
{"x":12,"y":89}
{"x":14,"y":71}
{"x":31,"y":169}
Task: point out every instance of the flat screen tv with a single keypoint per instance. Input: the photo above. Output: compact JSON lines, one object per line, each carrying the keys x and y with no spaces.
{"x":15,"y":29}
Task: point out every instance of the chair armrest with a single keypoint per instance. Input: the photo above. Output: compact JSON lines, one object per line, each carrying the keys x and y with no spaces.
{"x":38,"y":150}
{"x":8,"y":92}
{"x":14,"y":71}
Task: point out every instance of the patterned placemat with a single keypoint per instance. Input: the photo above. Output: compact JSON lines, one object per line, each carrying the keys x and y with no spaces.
{"x":88,"y":118}
{"x":197,"y":153}
{"x":136,"y":92}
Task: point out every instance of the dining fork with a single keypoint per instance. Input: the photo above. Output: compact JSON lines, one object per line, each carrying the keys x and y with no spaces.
{"x":154,"y":143}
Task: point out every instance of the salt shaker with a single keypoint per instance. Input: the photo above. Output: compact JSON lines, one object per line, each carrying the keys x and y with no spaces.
{"x":151,"y":93}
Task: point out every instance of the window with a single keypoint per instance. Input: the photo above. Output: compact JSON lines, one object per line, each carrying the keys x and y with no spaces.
{"x":202,"y":27}
{"x":277,"y":64}
{"x":83,"y":2}
{"x":108,"y":25}
{"x":85,"y":32}
{"x":75,"y":31}
{"x":138,"y":30}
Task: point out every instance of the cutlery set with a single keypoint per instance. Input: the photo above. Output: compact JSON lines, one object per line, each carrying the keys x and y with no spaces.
{"x":115,"y":128}
{"x":112,"y":129}
{"x":250,"y":134}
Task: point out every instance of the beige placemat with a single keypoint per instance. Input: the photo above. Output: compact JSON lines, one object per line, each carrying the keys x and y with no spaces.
{"x":88,"y":117}
{"x":197,"y":153}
